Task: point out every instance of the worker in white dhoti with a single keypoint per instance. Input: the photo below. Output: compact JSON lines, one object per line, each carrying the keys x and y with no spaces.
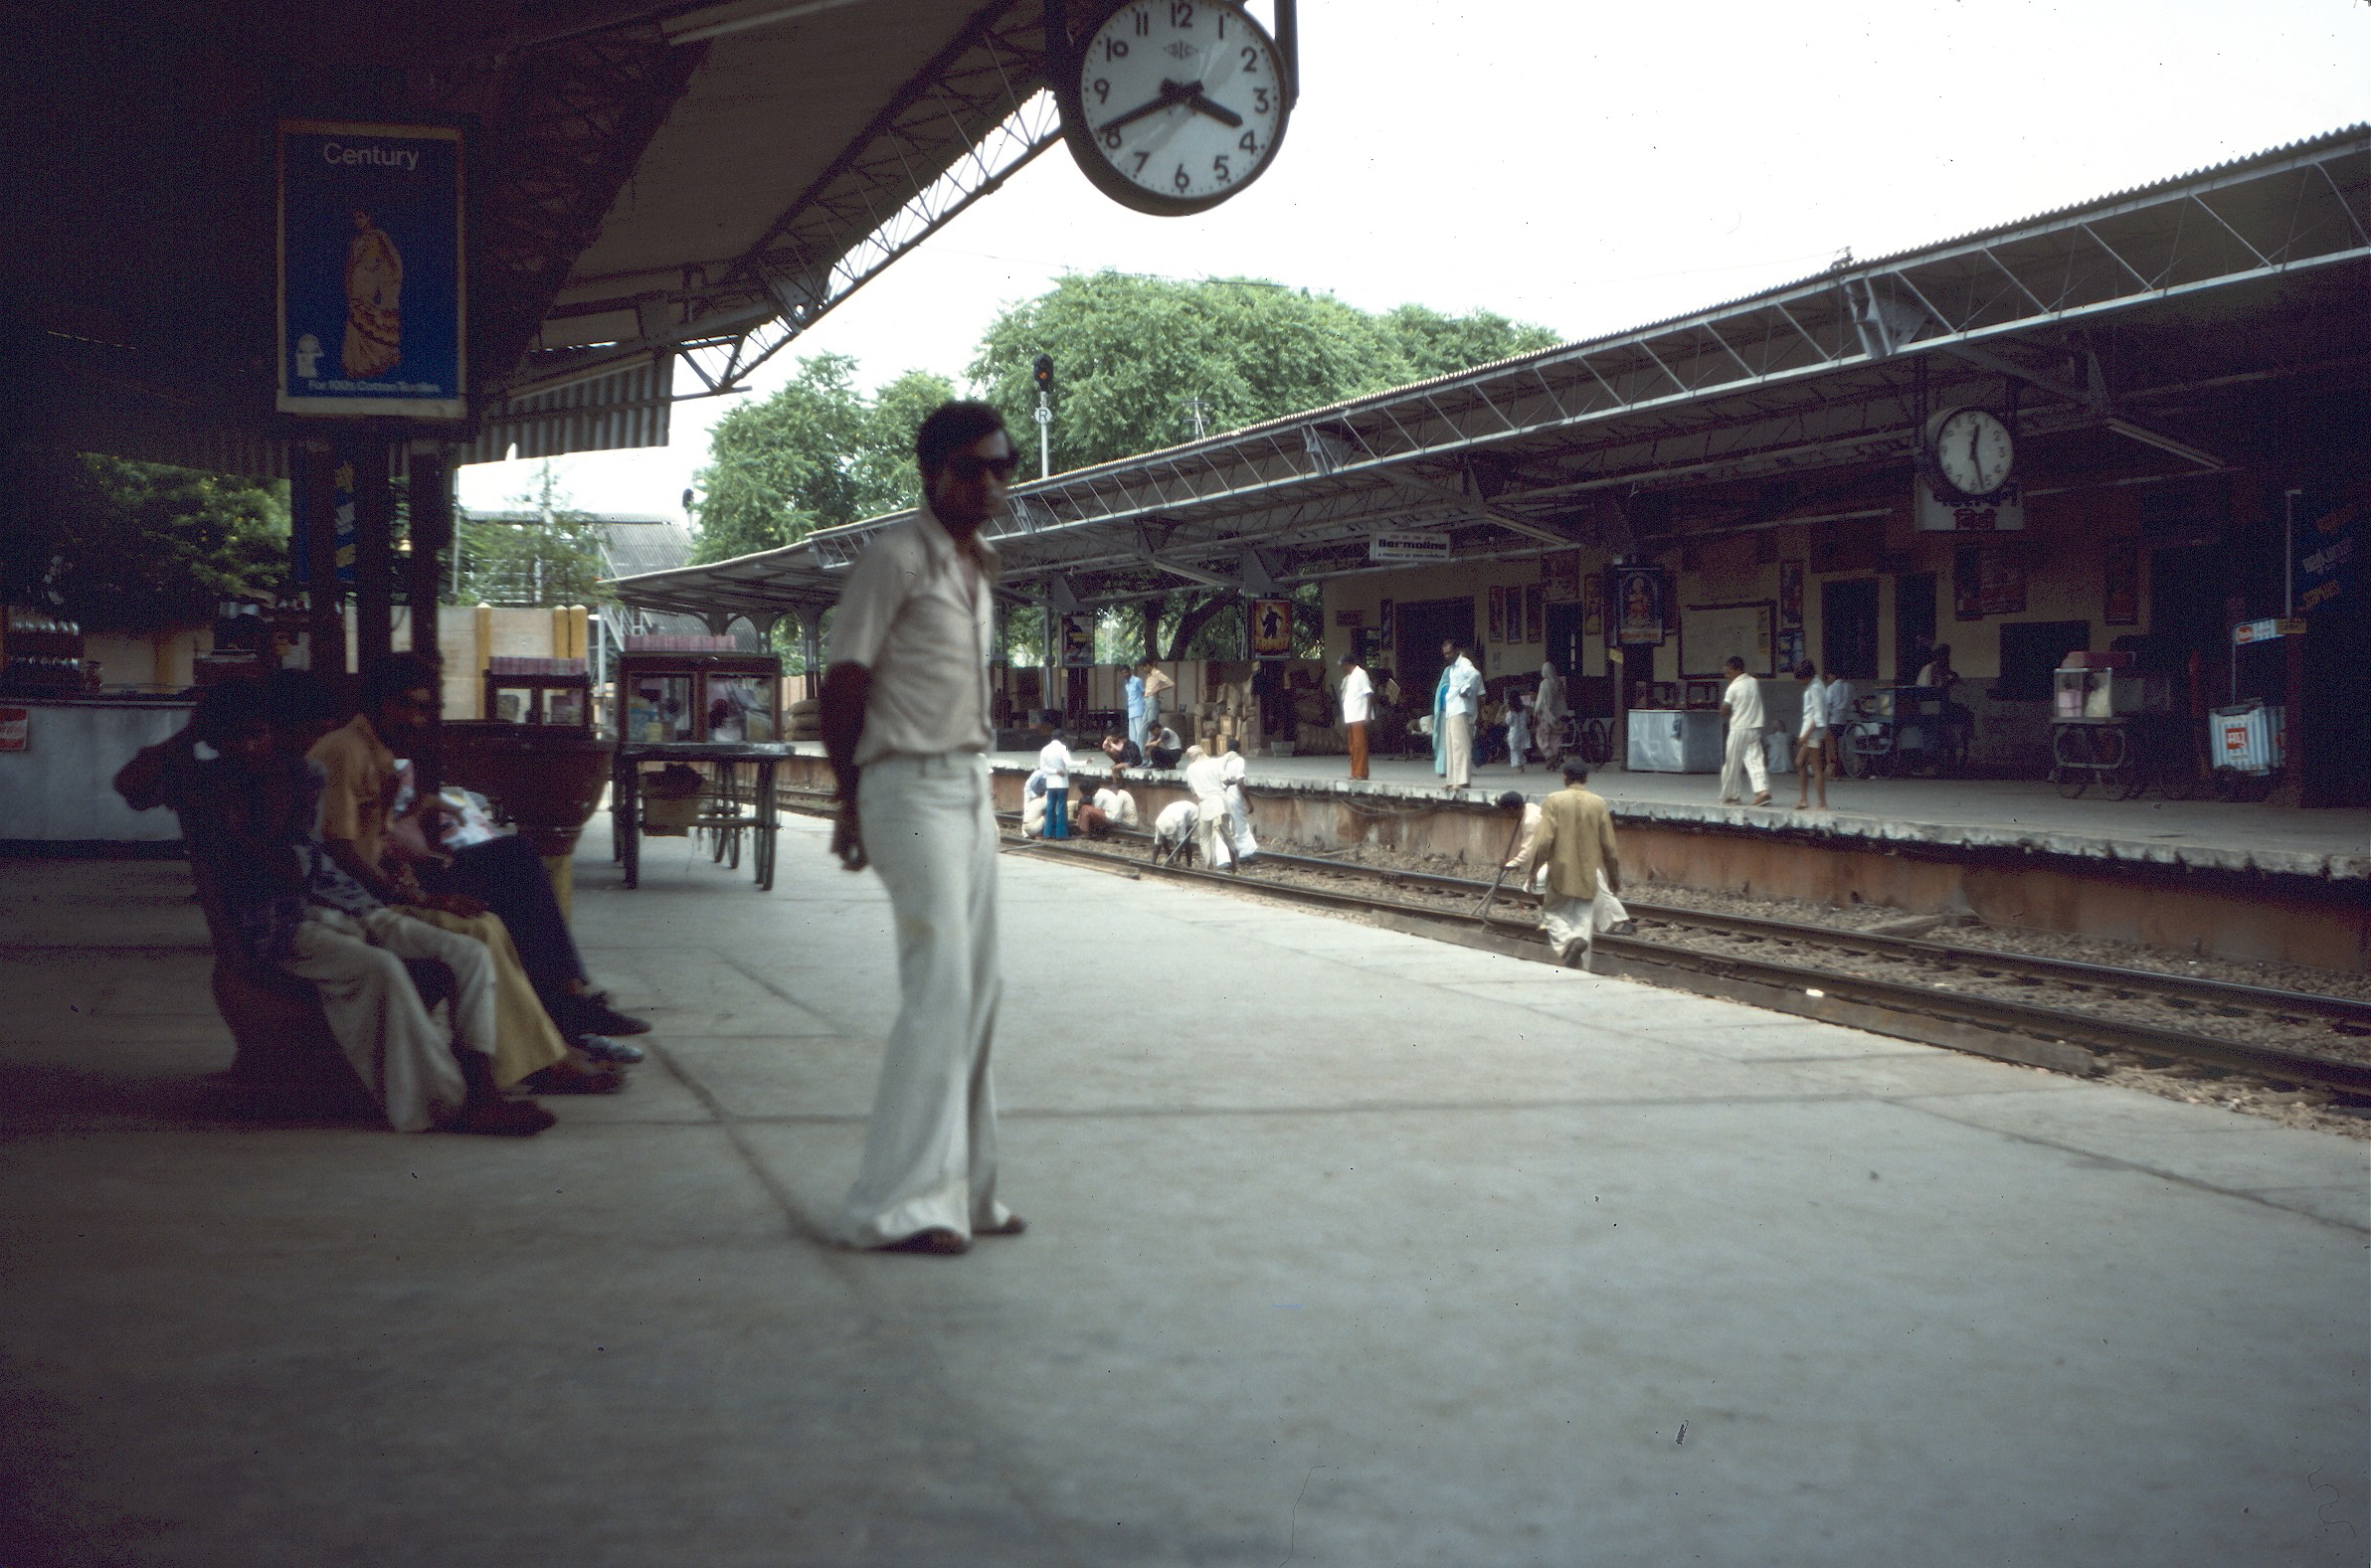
{"x":1743,"y":761}
{"x":1522,"y":867}
{"x":1214,"y":833}
{"x":905,"y":719}
{"x":1548,"y":714}
{"x":1173,"y":830}
{"x":1577,"y":846}
{"x":1238,"y":806}
{"x":1458,"y":708}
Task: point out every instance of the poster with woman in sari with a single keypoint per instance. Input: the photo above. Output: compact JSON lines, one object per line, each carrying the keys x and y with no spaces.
{"x":374,"y":301}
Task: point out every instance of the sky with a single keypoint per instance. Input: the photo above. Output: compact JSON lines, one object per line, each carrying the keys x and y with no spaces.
{"x":1593,"y":167}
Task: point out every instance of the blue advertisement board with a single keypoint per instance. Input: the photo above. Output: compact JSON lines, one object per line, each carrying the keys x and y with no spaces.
{"x":373,"y":313}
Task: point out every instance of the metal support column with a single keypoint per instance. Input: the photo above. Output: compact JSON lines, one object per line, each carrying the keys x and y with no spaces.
{"x":429,"y":490}
{"x":374,"y":554}
{"x":314,"y":488}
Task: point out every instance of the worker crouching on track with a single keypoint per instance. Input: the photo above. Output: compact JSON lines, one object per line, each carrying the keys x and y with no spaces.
{"x":1584,"y":871}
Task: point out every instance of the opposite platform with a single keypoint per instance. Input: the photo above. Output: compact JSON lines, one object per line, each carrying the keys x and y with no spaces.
{"x":1353,"y":1250}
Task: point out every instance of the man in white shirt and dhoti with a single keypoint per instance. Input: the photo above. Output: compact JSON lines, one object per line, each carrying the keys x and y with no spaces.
{"x":1459,"y":708}
{"x":1214,"y":830}
{"x":1741,"y":706}
{"x":905,"y":718}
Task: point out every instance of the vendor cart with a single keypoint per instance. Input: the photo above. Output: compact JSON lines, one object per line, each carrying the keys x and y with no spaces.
{"x":697,"y":716}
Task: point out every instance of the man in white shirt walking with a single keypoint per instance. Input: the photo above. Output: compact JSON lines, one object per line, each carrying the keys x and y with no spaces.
{"x":905,"y":719}
{"x":1358,"y":706}
{"x":1741,"y":706}
{"x":1811,"y":738}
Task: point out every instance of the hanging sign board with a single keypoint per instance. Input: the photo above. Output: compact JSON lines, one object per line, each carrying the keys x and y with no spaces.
{"x":372,"y":310}
{"x":1407,"y":547}
{"x":1939,"y":515}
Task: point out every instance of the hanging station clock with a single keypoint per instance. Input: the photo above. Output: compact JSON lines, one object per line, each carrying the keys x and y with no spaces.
{"x":1970,"y":453}
{"x":1176,"y":104}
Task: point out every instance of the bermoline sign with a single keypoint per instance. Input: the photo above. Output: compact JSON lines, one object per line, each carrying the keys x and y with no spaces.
{"x":372,"y":310}
{"x":1407,"y":547}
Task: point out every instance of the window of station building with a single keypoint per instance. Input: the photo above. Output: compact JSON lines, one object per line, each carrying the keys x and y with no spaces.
{"x":2030,"y":650}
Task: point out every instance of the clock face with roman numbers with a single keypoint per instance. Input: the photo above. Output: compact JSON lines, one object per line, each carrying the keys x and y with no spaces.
{"x":1181,"y":104}
{"x":1973,"y":451}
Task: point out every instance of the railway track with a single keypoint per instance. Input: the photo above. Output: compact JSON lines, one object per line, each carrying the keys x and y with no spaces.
{"x":1935,"y":991}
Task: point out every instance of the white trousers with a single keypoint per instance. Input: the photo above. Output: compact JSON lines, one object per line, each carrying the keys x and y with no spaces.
{"x":1238,"y":821}
{"x":930,"y":1152}
{"x":1457,"y":748}
{"x":1213,"y":832}
{"x":1743,"y":761}
{"x":374,"y":1009}
{"x":1575,"y":922}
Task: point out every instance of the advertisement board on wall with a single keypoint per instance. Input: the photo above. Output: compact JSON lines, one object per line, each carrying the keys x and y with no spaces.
{"x":1271,"y":627}
{"x":373,"y":314}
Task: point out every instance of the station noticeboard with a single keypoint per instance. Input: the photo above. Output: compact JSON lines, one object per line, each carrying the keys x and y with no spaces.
{"x":373,"y":309}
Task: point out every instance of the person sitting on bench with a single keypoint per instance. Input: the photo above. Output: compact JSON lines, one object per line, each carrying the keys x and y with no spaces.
{"x":502,"y":874}
{"x":247,"y":813}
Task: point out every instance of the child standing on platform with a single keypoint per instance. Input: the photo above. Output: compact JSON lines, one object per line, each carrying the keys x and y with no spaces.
{"x":1519,"y":731}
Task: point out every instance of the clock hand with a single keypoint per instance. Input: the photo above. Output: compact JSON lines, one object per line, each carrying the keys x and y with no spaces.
{"x":1172,"y":95}
{"x":1218,"y":111}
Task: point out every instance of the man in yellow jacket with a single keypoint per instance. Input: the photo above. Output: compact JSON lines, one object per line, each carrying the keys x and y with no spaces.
{"x":1584,"y":871}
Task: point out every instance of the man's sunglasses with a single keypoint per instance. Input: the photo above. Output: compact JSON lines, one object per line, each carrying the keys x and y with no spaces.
{"x":968,"y":468}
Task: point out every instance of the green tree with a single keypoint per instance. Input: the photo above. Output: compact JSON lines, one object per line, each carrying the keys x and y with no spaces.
{"x":136,"y":547}
{"x":815,"y":454}
{"x":1437,"y":345}
{"x":1144,"y":363}
{"x":551,"y":557}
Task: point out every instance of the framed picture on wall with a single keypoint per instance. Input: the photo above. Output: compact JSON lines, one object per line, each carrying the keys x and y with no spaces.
{"x":2119,"y":593}
{"x":1382,"y":623}
{"x":1640,"y":596}
{"x":1561,"y":576}
{"x":1498,"y":614}
{"x":1790,"y":596}
{"x":1535,"y":613}
{"x":1592,"y":607}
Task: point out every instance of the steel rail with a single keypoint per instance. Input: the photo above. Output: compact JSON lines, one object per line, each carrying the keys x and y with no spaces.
{"x":2099,"y":976}
{"x":2082,"y":1030}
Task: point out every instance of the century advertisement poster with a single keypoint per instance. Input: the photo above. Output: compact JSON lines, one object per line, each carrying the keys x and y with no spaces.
{"x":372,"y":307}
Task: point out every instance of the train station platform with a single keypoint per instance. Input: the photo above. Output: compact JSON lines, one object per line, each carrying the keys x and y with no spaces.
{"x":1346,"y":1248}
{"x":2026,"y":815}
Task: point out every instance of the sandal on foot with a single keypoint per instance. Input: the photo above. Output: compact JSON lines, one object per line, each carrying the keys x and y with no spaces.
{"x":1013,"y":1225}
{"x":937,"y":1242}
{"x":567,"y":1078}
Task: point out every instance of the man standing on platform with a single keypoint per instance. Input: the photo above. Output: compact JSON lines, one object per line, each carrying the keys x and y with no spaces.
{"x":1575,"y":843}
{"x":905,"y":719}
{"x":1457,"y":709}
{"x":1358,"y":706}
{"x":1134,"y":688}
{"x":1741,"y":705}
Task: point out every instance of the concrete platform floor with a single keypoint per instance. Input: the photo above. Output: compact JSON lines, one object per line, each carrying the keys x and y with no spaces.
{"x":2013,"y":813}
{"x":1368,"y":1252}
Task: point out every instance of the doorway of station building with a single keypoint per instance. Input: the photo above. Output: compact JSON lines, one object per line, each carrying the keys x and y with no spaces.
{"x":1848,"y":630}
{"x":1913,"y":622}
{"x":1418,"y":630}
{"x":1564,"y":645}
{"x":2188,"y":585}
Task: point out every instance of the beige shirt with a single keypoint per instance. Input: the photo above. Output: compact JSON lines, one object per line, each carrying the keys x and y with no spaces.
{"x":918,"y":614}
{"x":1576,"y":843}
{"x":360,"y":788}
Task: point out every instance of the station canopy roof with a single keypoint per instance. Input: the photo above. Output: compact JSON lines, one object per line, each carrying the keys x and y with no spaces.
{"x":2131,"y":332}
{"x":663,"y":194}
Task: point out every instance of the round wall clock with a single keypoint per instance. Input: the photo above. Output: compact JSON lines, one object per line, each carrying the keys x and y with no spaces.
{"x":1177,"y":105}
{"x":1969,"y":452}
